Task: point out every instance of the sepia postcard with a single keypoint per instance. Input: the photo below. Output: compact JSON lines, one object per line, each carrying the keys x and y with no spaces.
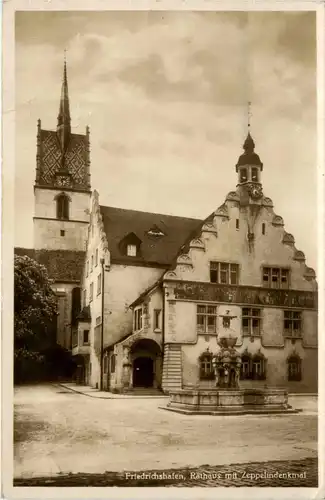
{"x":162,"y":249}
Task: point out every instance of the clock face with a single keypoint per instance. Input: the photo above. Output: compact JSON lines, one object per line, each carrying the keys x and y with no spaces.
{"x":63,"y":180}
{"x":255,"y":191}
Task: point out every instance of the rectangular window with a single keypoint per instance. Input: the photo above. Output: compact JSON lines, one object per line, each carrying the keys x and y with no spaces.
{"x":113,"y":362}
{"x":275,"y":277}
{"x":292,"y":323}
{"x":214,"y":272}
{"x":87,"y":268}
{"x":131,"y":250}
{"x":224,"y":273}
{"x":138,"y":319}
{"x":86,"y":337}
{"x":84,"y":298}
{"x":263,"y":228}
{"x":99,"y":284}
{"x":206,"y":368}
{"x":206,"y":319}
{"x":245,"y":369}
{"x":251,"y":321}
{"x":74,"y":337}
{"x":91,"y":291}
{"x":92,"y":263}
{"x":157,"y":315}
{"x":96,"y":257}
{"x":237,"y":223}
{"x":62,"y":232}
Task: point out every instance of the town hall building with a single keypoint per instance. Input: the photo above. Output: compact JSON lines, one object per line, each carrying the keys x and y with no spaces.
{"x":141,"y":296}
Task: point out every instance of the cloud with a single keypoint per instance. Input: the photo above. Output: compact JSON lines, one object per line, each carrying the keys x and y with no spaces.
{"x":165,"y":95}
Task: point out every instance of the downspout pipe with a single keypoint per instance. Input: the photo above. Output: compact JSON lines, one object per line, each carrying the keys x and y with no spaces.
{"x":102,"y":261}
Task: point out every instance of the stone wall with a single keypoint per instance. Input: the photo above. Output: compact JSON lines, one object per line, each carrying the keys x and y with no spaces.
{"x":47,"y":229}
{"x":64,"y":294}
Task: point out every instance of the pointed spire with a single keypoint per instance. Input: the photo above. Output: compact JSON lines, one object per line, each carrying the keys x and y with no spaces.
{"x":249,"y":144}
{"x":64,"y":119}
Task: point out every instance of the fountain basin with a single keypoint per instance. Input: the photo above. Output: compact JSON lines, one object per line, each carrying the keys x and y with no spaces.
{"x":229,"y":401}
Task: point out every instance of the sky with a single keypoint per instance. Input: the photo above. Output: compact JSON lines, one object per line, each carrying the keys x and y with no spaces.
{"x":165,"y":96}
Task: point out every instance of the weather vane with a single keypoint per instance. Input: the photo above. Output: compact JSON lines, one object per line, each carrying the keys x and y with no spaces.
{"x":249,"y":115}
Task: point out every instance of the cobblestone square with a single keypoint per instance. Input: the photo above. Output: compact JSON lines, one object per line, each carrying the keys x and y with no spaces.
{"x":76,"y":434}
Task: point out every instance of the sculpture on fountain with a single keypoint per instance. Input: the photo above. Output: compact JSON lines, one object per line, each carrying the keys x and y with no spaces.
{"x":227,"y":398}
{"x":227,"y":362}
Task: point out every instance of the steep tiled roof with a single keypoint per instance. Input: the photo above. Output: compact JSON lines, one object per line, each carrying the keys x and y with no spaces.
{"x":84,"y":314}
{"x":49,"y":159}
{"x":62,"y":265}
{"x":155,"y":248}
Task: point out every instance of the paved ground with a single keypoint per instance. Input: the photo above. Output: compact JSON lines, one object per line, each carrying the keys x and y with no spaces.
{"x":58,"y":432}
{"x":295,"y":473}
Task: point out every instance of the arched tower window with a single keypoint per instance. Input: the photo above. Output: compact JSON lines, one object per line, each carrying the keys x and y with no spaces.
{"x":206,"y":368}
{"x":243,"y":175}
{"x":254,"y":174}
{"x":62,"y":206}
{"x":294,"y":368}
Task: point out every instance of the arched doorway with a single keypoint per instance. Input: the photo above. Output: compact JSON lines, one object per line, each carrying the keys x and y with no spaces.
{"x":143,"y":372}
{"x":146,"y":364}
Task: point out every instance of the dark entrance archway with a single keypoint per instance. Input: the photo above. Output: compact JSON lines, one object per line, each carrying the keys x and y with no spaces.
{"x":143,"y":372}
{"x":146,"y":364}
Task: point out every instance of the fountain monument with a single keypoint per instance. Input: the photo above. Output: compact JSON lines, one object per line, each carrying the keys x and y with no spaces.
{"x":227,"y":397}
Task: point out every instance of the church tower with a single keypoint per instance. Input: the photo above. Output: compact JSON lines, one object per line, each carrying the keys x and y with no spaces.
{"x":62,"y":186}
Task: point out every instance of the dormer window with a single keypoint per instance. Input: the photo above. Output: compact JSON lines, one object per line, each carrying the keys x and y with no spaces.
{"x":254,"y":174}
{"x":155,"y":232}
{"x":243,"y":175}
{"x":131,"y":250}
{"x":130,"y":245}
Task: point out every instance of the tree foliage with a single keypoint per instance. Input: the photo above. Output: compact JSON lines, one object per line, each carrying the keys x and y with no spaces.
{"x":35,"y":309}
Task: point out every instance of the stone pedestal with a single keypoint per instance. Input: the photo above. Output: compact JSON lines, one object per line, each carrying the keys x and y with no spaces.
{"x":227,"y":398}
{"x":230,"y":402}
